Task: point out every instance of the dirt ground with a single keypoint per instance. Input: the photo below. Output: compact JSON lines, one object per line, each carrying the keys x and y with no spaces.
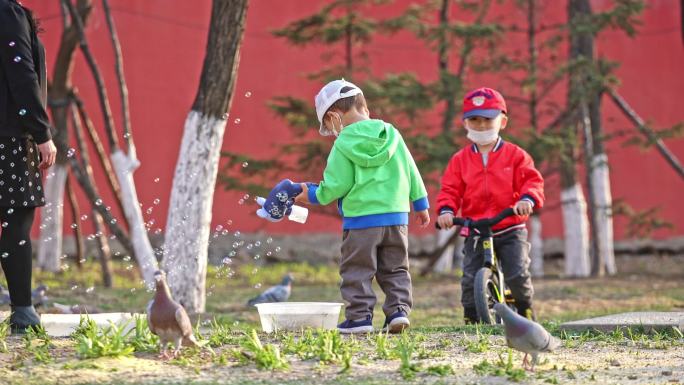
{"x":475,"y":356}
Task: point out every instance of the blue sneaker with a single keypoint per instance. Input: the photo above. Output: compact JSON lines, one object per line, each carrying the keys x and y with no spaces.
{"x":396,"y":323}
{"x":356,"y":327}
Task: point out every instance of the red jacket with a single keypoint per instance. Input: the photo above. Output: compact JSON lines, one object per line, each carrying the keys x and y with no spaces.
{"x":482,"y":192}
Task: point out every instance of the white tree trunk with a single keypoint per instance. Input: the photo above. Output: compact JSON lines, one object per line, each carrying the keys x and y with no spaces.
{"x":187,"y":227}
{"x":51,"y":218}
{"x":537,"y":247}
{"x":604,"y":212}
{"x":445,"y":263}
{"x":124,"y":166}
{"x":576,"y":226}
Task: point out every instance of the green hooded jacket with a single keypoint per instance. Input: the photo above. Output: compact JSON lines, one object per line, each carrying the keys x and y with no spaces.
{"x":372,"y":174}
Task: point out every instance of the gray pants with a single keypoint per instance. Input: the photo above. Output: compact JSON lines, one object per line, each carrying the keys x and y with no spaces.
{"x":512,"y":251}
{"x":380,"y":252}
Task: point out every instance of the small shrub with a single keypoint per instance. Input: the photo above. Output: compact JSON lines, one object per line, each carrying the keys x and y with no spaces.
{"x":4,"y":332}
{"x":265,"y":357}
{"x":38,"y":343}
{"x":405,"y":348}
{"x":143,"y":340}
{"x":93,"y":342}
{"x":382,"y":346}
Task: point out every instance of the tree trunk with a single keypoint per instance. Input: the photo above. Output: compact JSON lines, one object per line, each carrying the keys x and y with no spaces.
{"x":597,"y":267}
{"x":576,"y":227}
{"x":50,"y":246}
{"x":604,"y":212}
{"x":187,"y":226}
{"x":104,"y":252}
{"x":536,"y":247}
{"x":124,"y":166}
{"x":575,"y":221}
{"x":445,"y":263}
{"x":50,"y":239}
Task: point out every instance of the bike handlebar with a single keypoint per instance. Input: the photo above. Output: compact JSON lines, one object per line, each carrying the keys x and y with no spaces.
{"x":480,"y":223}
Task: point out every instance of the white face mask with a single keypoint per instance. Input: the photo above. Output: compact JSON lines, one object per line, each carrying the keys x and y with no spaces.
{"x":483,"y":138}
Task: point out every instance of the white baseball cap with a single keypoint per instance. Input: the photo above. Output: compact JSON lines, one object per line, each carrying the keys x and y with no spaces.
{"x":328,"y":95}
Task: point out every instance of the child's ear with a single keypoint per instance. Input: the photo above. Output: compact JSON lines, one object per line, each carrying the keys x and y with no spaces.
{"x":504,"y":121}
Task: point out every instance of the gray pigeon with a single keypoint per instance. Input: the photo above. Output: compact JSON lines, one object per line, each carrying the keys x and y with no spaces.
{"x":525,"y":335}
{"x":168,"y":319}
{"x":38,"y":297}
{"x":4,"y":296}
{"x":278,"y":293}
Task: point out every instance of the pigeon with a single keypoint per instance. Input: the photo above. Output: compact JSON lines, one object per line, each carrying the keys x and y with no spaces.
{"x":168,"y":319}
{"x":525,"y":335}
{"x":278,"y":293}
{"x":72,"y":309}
{"x":38,"y":297}
{"x":4,"y":296}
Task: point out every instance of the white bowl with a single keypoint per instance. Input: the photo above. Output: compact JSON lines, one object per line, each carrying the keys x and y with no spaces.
{"x":298,"y":315}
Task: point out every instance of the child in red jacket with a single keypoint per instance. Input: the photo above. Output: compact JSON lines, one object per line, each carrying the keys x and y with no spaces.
{"x":483,"y":179}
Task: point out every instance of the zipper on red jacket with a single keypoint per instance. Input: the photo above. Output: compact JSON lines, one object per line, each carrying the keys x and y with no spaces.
{"x":484,"y":167}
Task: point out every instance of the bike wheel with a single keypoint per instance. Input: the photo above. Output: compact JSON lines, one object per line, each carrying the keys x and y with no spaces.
{"x":486,"y":285}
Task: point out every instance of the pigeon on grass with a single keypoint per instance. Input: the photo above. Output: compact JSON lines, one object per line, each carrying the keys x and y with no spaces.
{"x":38,"y":296}
{"x":525,"y":335}
{"x":168,"y":319}
{"x":278,"y":293}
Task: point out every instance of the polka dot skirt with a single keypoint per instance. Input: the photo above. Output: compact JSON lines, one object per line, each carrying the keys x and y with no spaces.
{"x":20,"y":177}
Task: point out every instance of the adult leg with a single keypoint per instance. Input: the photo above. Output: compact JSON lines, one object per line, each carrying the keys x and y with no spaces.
{"x":15,"y":256}
{"x":15,"y":252}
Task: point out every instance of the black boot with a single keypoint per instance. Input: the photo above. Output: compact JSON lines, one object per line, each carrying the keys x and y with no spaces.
{"x":470,"y":315}
{"x":525,"y":310}
{"x":22,"y":318}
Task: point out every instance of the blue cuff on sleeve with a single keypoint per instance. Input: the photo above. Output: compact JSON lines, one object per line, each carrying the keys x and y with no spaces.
{"x":312,"y":193}
{"x":446,"y":209}
{"x":529,"y":199}
{"x":421,"y":204}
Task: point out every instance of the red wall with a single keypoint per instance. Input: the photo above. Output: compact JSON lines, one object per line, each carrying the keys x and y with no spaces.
{"x":163,"y":45}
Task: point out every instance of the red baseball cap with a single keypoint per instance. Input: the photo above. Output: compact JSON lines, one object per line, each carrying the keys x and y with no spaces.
{"x":484,"y":102}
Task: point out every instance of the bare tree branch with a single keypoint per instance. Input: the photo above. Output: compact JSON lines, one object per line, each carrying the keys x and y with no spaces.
{"x":647,"y":132}
{"x":78,"y":233}
{"x":99,"y":148}
{"x":103,"y":244}
{"x":123,"y":88}
{"x":101,"y":90}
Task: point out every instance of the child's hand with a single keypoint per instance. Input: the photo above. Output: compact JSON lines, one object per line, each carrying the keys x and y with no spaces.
{"x":423,"y":218}
{"x":445,"y":221}
{"x":523,"y":207}
{"x":279,"y":201}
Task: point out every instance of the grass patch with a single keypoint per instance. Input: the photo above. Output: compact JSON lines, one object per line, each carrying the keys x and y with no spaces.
{"x":93,"y":341}
{"x":501,"y":368}
{"x":265,"y":356}
{"x":38,"y":343}
{"x":404,"y":349}
{"x":4,"y":332}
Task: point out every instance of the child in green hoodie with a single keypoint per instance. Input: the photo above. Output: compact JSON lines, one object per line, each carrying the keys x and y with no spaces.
{"x":371,"y":174}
